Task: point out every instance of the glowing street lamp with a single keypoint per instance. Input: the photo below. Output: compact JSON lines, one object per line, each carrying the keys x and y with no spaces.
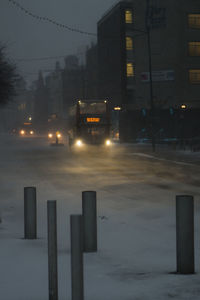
{"x":183,"y":106}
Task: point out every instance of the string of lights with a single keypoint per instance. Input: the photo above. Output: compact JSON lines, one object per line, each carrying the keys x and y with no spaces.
{"x":46,"y":19}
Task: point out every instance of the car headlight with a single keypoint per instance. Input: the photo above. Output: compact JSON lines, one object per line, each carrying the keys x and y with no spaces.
{"x":79,"y":143}
{"x":31,"y":132}
{"x":108,"y":142}
{"x":50,"y":135}
{"x":22,"y":132}
{"x":58,"y":135}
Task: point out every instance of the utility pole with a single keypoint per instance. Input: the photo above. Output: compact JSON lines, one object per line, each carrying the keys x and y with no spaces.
{"x":148,"y":31}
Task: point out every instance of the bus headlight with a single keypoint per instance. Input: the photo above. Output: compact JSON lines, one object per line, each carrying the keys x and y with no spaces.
{"x":108,"y":142}
{"x":79,"y":143}
{"x":22,"y":132}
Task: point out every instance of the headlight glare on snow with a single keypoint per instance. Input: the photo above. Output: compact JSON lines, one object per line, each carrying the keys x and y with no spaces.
{"x":108,"y":142}
{"x":79,"y":143}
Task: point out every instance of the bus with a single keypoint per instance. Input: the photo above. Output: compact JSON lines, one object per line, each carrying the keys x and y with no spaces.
{"x":89,"y":123}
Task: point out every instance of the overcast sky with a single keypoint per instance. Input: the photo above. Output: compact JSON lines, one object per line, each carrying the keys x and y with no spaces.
{"x":27,"y":37}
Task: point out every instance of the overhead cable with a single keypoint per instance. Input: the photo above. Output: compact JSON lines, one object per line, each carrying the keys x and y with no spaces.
{"x":63,"y":26}
{"x":41,"y":18}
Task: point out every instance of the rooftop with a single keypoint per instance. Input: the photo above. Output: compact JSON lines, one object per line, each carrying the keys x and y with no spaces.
{"x":113,"y":7}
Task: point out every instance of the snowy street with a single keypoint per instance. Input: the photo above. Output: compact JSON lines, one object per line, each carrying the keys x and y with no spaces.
{"x":136,"y":219}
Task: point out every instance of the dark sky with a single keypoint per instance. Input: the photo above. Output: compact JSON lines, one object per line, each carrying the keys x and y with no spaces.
{"x":27,"y":37}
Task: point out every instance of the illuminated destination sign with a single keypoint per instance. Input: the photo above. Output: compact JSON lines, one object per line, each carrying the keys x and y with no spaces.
{"x":93,"y":120}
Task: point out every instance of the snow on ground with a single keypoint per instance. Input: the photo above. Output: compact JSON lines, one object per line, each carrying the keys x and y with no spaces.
{"x":136,"y":220}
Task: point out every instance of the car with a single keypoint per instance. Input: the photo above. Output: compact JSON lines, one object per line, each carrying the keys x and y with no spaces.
{"x":26,"y":132}
{"x":55,"y":136}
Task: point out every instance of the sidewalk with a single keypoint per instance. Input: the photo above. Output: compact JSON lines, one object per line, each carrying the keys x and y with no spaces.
{"x":165,"y":152}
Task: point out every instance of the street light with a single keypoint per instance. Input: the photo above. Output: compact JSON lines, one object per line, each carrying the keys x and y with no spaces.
{"x":148,"y":25}
{"x":183,"y":106}
{"x":152,"y":106}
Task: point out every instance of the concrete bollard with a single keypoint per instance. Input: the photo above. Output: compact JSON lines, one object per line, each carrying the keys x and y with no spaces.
{"x":52,"y":250}
{"x":185,"y":234}
{"x":76,"y":257}
{"x":89,"y":209}
{"x":30,"y":213}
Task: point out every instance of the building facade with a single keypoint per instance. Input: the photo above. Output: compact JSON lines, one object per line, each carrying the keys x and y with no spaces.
{"x":175,"y":53}
{"x":123,"y":54}
{"x":115,"y":54}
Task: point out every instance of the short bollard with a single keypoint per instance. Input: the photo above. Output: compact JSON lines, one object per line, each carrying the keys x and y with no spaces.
{"x":185,"y":234}
{"x":76,"y":257}
{"x":52,"y":250}
{"x":89,"y":209}
{"x":30,"y":213}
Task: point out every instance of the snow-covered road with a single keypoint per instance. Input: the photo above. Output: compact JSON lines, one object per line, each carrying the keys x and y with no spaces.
{"x":136,"y":220}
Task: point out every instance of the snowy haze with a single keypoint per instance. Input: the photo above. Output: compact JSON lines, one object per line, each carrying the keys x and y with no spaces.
{"x":136,"y":219}
{"x":27,"y":37}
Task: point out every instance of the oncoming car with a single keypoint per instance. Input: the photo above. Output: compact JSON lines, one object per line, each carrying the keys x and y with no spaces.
{"x":23,"y":132}
{"x":55,"y":136}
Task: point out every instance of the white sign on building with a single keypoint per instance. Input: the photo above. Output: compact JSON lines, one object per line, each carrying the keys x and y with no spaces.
{"x":163,"y":75}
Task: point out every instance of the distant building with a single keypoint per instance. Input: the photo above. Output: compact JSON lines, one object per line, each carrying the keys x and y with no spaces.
{"x":40,"y":117}
{"x":73,"y":82}
{"x":91,"y":73}
{"x":54,"y":88}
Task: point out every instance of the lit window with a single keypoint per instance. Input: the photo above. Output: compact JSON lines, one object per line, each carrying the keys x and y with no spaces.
{"x":194,"y":21}
{"x":194,"y":76}
{"x":129,"y":43}
{"x":128,"y":16}
{"x":194,"y":48}
{"x":129,"y":70}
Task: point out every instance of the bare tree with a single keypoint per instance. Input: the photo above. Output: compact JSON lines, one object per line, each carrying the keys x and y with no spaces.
{"x":7,"y":78}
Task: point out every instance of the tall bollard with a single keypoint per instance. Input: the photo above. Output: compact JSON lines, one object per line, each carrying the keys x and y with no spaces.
{"x":52,"y":250}
{"x":30,"y":213}
{"x":185,"y":234}
{"x":89,"y":208}
{"x":76,"y":257}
